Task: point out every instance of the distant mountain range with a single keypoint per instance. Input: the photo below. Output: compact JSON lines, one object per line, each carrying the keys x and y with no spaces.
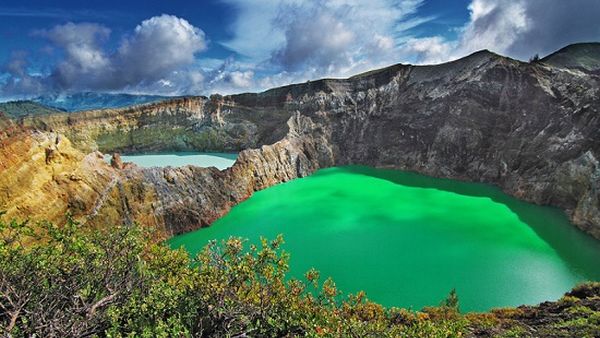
{"x":89,"y":100}
{"x":581,"y":56}
{"x":56,"y":103}
{"x":529,"y":128}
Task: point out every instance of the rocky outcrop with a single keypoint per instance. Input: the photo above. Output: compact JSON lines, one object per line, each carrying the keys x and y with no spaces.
{"x":173,"y":199}
{"x":191,"y":123}
{"x":43,"y":177}
{"x":576,"y":314}
{"x":582,"y":56}
{"x":532,"y":129}
{"x":116,"y":161}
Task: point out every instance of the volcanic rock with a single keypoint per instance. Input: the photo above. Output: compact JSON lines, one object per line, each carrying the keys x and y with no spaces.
{"x":532,"y":129}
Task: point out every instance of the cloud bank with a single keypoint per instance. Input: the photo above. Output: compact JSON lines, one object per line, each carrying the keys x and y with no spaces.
{"x":154,"y":56}
{"x":516,"y":28}
{"x":276,"y":42}
{"x":297,"y":40}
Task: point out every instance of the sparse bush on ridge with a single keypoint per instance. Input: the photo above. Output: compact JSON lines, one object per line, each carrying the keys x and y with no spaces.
{"x":534,"y":59}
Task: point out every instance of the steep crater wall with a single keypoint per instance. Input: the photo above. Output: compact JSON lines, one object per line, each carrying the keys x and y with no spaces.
{"x":531,"y":129}
{"x":191,"y":123}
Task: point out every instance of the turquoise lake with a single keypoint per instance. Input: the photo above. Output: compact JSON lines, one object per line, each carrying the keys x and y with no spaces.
{"x":408,"y":239}
{"x":219,"y":160}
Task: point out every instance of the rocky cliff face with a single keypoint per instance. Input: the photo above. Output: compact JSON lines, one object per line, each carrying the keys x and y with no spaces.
{"x":531,"y":129}
{"x":191,"y":123}
{"x":43,"y":177}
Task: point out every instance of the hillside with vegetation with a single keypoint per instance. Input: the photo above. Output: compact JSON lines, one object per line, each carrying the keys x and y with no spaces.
{"x":91,"y":278}
{"x":531,"y":129}
{"x":72,"y":281}
{"x":18,"y":109}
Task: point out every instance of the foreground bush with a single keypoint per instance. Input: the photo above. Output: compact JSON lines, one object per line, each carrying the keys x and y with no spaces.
{"x":71,"y":282}
{"x":74,"y":282}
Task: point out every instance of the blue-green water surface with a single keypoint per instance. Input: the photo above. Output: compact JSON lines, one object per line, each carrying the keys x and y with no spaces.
{"x":407,"y":239}
{"x":178,"y":159}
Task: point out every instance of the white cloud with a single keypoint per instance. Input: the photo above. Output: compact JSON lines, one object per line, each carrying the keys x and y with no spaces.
{"x":310,"y":39}
{"x":535,"y":26}
{"x":84,"y":55}
{"x":230,"y":77}
{"x":382,"y":43}
{"x":155,"y":58}
{"x":495,"y":25}
{"x":241,"y":79}
{"x":254,"y":33}
{"x":316,"y":40}
{"x":516,"y":28}
{"x":427,"y":50}
{"x":17,"y":80}
{"x":158,"y":46}
{"x":277,"y":42}
{"x":307,"y":39}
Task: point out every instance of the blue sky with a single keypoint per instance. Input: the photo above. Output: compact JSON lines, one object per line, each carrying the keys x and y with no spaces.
{"x":201,"y":47}
{"x":19,"y":18}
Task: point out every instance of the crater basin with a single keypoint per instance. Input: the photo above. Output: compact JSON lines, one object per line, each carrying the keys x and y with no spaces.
{"x":408,"y":239}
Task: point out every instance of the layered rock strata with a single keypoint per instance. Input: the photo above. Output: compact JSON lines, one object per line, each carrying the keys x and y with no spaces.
{"x":532,"y":129}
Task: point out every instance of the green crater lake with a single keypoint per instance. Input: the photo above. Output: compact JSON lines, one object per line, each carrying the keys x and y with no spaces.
{"x":407,"y":239}
{"x":179,"y":159}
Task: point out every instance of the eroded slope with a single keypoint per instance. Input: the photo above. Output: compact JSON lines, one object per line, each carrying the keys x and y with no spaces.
{"x":532,"y":129}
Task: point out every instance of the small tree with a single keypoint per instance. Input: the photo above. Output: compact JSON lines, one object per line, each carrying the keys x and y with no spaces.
{"x":451,"y":301}
{"x":534,"y":59}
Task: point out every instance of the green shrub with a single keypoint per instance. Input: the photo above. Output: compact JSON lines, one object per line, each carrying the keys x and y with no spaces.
{"x":71,"y":281}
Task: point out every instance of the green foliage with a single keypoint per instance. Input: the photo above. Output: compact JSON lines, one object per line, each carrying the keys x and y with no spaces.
{"x":452,"y":301}
{"x":59,"y":281}
{"x":71,"y":281}
{"x":18,"y":109}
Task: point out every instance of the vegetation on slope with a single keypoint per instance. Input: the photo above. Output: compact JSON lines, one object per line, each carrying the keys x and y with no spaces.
{"x":72,"y":282}
{"x":18,"y":109}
